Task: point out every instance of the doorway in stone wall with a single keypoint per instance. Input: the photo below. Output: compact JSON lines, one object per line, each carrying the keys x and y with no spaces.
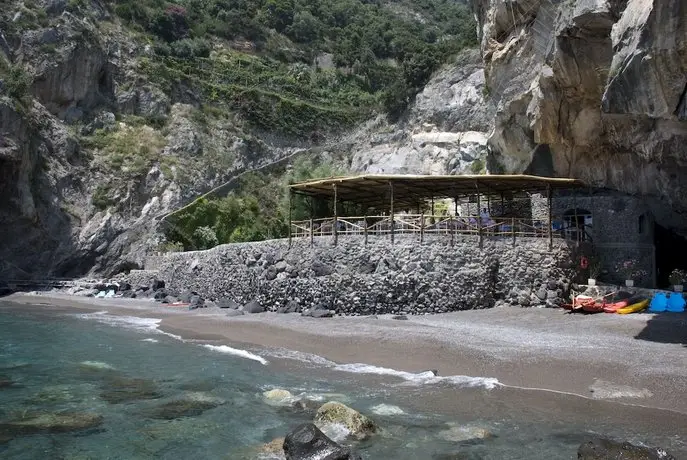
{"x":671,"y":253}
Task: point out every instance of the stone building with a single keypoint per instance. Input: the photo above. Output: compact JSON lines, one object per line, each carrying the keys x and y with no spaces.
{"x":619,"y":227}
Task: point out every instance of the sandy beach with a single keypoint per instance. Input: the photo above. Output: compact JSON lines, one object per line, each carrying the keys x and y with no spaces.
{"x":628,"y":359}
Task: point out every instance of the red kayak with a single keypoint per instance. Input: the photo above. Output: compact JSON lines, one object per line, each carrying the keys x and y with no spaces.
{"x":614,"y":307}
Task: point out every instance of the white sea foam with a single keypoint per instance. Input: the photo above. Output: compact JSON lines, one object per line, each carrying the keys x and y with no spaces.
{"x":147,"y":325}
{"x":150,"y":340}
{"x":97,"y":365}
{"x":337,"y":432}
{"x":308,"y":358}
{"x":421,"y":378}
{"x":237,"y":352}
{"x":387,"y":409}
{"x":129,"y":322}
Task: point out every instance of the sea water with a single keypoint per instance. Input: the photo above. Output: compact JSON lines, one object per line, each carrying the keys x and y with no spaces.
{"x":161,"y":397}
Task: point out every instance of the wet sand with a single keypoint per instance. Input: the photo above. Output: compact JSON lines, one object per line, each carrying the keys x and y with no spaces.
{"x":594,"y":356}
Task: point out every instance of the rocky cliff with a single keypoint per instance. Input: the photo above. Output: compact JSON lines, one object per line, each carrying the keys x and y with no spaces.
{"x":444,"y":132}
{"x":593,"y":89}
{"x":92,"y":151}
{"x":101,"y":140}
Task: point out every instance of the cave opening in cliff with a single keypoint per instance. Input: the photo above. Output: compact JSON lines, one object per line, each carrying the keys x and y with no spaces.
{"x":671,"y":253}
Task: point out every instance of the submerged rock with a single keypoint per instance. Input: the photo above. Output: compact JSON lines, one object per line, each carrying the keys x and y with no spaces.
{"x":6,"y":382}
{"x":606,"y":449}
{"x":458,"y":433}
{"x":121,"y":389}
{"x":274,"y":448}
{"x":187,"y":407}
{"x":337,"y":413}
{"x":307,"y":442}
{"x":278,"y":397}
{"x":50,"y":423}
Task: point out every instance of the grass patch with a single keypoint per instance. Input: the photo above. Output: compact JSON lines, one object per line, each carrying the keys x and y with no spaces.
{"x":128,"y":152}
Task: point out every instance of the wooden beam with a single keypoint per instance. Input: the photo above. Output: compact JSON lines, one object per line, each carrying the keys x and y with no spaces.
{"x":312,"y":223}
{"x":391,"y":209}
{"x":479,"y":217}
{"x":290,"y":208}
{"x":365,"y":229}
{"x":336,"y":218}
{"x":549,"y":200}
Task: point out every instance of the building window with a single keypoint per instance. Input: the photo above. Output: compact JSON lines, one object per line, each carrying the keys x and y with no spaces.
{"x":577,"y":225}
{"x":642,"y":224}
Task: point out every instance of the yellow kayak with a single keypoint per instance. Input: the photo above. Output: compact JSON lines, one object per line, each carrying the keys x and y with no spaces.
{"x":634,"y":308}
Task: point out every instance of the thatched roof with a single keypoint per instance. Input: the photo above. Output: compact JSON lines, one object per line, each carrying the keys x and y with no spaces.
{"x":374,"y":190}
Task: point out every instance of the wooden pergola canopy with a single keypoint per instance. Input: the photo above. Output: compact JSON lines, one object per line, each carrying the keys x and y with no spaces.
{"x":373,"y":190}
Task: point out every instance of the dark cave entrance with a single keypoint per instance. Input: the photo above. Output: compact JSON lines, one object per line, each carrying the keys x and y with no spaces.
{"x":671,"y":253}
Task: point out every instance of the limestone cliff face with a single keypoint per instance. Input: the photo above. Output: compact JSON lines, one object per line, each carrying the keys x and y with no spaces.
{"x":73,"y":198}
{"x":593,"y":89}
{"x":445,"y":131}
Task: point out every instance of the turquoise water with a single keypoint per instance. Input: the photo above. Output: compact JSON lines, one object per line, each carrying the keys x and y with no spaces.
{"x":154,"y":396}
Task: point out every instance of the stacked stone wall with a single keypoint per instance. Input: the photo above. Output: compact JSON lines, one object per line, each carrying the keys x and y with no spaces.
{"x":353,"y":278}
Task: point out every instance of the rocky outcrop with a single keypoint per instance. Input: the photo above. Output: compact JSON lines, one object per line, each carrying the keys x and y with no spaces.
{"x":307,"y":442}
{"x":606,"y":449}
{"x":592,"y":89}
{"x":444,"y":132}
{"x":358,"y":425}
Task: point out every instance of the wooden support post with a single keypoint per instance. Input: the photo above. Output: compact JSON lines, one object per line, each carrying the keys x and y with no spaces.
{"x":312,"y":223}
{"x":512,"y":228}
{"x":336,"y":217}
{"x":576,"y":225}
{"x":365,"y":229}
{"x":422,"y":227}
{"x":479,"y":217}
{"x":455,"y":207}
{"x":503,"y":206}
{"x":451,"y":229}
{"x":391,"y":210}
{"x":290,"y":206}
{"x":548,"y":199}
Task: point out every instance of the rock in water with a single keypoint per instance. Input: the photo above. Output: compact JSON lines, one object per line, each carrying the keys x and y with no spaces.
{"x":253,"y":307}
{"x":272,"y":448}
{"x":278,"y":397}
{"x":307,"y":442}
{"x":122,"y":389}
{"x":181,"y":408}
{"x":51,"y":423}
{"x":335,"y":412}
{"x":606,"y":449}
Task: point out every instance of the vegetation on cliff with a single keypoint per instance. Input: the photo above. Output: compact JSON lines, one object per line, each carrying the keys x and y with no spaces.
{"x":257,"y":210}
{"x":367,"y":56}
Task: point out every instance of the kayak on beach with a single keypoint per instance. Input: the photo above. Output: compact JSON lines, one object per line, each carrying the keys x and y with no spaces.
{"x":634,"y":308}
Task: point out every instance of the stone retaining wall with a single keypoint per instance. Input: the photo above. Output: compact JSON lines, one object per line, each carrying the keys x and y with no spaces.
{"x":354,"y":278}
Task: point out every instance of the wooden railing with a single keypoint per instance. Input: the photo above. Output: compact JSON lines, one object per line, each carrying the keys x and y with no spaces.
{"x":426,"y":225}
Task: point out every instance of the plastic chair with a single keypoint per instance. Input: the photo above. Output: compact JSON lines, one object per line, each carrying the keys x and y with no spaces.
{"x":676,"y":303}
{"x":659,"y":303}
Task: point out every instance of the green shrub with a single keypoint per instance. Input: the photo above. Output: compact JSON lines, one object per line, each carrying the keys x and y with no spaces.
{"x":477,"y":166}
{"x":16,"y":81}
{"x":252,"y":212}
{"x":101,"y":199}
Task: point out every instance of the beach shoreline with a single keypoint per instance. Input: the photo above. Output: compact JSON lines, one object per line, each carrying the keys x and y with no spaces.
{"x":596,"y":357}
